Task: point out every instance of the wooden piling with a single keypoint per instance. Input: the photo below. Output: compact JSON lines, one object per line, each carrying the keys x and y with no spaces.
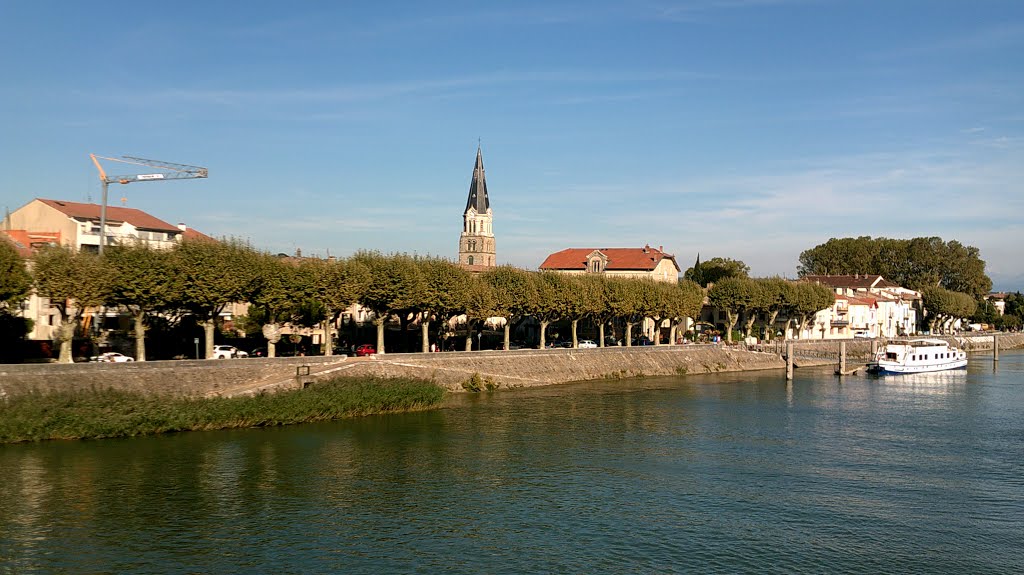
{"x":842,"y":358}
{"x":789,"y":361}
{"x":995,"y":347}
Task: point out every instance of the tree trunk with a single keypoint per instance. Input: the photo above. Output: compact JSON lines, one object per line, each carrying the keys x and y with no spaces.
{"x":600,"y":333}
{"x":543,"y":333}
{"x":575,"y":342}
{"x":328,"y":338}
{"x":140,"y":336}
{"x":508,"y":333}
{"x":469,"y":337}
{"x":425,"y":333}
{"x":656,"y":330}
{"x":769,"y":327}
{"x":66,"y":335}
{"x":629,"y":333}
{"x":730,"y":318}
{"x":379,"y":322}
{"x":271,"y":348}
{"x":749,"y":325}
{"x":209,"y":326}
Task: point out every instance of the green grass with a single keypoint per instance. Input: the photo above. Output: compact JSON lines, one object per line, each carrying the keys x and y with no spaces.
{"x":108,"y":413}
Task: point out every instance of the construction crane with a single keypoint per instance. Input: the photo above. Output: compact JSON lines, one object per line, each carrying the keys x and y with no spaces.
{"x":174,"y":172}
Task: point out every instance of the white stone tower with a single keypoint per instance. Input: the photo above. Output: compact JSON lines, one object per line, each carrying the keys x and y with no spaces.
{"x":476,"y":244}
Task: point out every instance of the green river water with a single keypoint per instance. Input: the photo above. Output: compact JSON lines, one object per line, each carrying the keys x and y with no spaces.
{"x":730,"y":473}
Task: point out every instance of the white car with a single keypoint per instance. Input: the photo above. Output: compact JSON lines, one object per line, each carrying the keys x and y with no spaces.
{"x":227,"y":352}
{"x":586,"y":344}
{"x":112,"y":357}
{"x":861,"y":335}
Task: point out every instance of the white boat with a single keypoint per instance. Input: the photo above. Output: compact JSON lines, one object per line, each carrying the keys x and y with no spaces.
{"x":917,"y":356}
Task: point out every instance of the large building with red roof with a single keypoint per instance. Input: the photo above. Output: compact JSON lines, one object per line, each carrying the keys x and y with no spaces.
{"x":646,"y":262}
{"x":75,"y":224}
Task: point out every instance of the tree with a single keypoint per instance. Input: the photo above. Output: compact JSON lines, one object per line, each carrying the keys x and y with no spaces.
{"x":685,"y":301}
{"x":514,"y":295}
{"x":214,"y":274}
{"x":547,"y":307}
{"x":394,"y":283}
{"x":731,"y":295}
{"x":142,"y":281}
{"x":279,"y":290}
{"x":917,"y":263}
{"x":943,"y":307}
{"x":809,"y":299}
{"x":716,"y":269}
{"x":780,"y":293}
{"x":73,"y":281}
{"x":623,"y":297}
{"x":445,"y":291}
{"x":480,"y":305}
{"x":336,"y":285}
{"x":15,"y":281}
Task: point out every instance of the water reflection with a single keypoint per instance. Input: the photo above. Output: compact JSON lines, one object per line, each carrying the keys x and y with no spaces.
{"x":727,"y":472}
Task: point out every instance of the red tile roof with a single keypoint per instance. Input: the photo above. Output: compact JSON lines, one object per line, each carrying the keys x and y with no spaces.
{"x":23,"y":240}
{"x":137,"y":218}
{"x":191,"y":234}
{"x":645,"y":258}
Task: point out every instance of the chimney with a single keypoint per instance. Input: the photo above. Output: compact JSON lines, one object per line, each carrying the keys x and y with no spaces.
{"x":182,"y":227}
{"x":661,"y":248}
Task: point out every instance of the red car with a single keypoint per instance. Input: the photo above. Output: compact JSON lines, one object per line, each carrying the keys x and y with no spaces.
{"x":365,"y":350}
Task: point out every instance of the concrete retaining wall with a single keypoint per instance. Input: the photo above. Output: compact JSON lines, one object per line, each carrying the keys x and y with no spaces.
{"x":505,"y":369}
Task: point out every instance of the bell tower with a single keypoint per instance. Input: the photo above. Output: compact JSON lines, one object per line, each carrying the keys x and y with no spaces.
{"x":476,"y":244}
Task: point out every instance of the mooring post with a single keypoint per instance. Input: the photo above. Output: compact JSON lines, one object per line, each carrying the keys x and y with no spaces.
{"x":874,"y":347}
{"x":842,"y":358}
{"x":789,"y":361}
{"x":995,"y":347}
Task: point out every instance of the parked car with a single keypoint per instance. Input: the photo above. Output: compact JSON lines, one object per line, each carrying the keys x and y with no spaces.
{"x":365,"y":350}
{"x":587,"y":343}
{"x":861,"y":335}
{"x":258,"y":352}
{"x":227,"y":352}
{"x":644,"y":340}
{"x":112,"y":357}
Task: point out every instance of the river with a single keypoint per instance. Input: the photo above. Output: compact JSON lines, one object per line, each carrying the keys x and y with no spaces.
{"x":714,"y":473}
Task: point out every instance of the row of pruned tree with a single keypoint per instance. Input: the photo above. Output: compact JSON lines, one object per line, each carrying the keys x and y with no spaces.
{"x":201,"y":278}
{"x":763,"y":299}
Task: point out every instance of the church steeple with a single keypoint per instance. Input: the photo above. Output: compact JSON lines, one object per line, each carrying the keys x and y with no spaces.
{"x":478,"y":187}
{"x":476,"y":244}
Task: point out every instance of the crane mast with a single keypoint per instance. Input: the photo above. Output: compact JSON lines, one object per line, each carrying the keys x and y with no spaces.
{"x":172,"y":171}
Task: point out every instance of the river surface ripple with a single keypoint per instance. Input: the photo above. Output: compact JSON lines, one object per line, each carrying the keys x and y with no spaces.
{"x":719,"y":473}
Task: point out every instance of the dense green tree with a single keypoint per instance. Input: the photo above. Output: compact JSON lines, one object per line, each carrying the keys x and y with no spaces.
{"x":214,"y":274}
{"x":15,"y":281}
{"x":395,"y":282}
{"x":731,"y":295}
{"x":623,"y":300}
{"x":480,"y":306}
{"x":445,"y":293}
{"x":685,"y":301}
{"x":547,"y":307}
{"x":916,"y":263}
{"x":142,"y":281}
{"x":809,"y":299}
{"x":780,"y":293}
{"x":943,"y":307}
{"x":73,"y":281}
{"x":280,"y":289}
{"x":716,"y":269}
{"x":336,"y":285}
{"x":514,"y":295}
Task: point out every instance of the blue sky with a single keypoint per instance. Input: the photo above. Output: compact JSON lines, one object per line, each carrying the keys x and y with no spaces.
{"x":751,"y":129}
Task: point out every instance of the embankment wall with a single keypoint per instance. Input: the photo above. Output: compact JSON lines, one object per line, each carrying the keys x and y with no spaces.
{"x":505,"y":369}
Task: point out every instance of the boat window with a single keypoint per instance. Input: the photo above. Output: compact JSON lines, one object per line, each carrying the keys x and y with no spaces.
{"x":913,"y":358}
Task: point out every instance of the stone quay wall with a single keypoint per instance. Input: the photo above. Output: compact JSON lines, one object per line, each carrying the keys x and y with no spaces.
{"x":503,"y":369}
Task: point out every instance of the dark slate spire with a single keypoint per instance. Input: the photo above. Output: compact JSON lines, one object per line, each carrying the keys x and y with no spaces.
{"x":478,"y":187}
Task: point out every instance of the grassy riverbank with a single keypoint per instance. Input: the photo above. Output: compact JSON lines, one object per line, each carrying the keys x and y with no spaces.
{"x":100,"y":414}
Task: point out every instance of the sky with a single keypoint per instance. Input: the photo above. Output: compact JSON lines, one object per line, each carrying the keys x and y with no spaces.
{"x":748,"y":129}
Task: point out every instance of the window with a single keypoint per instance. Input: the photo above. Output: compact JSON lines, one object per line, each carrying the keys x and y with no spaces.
{"x":470,"y":260}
